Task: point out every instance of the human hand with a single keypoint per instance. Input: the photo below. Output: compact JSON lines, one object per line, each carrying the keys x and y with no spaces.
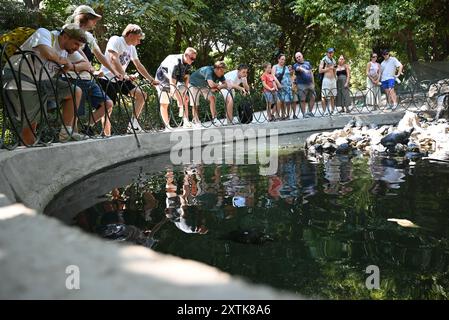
{"x":98,"y":73}
{"x":119,"y":76}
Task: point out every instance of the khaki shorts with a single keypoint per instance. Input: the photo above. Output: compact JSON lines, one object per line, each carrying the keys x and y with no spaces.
{"x":195,"y":93}
{"x":34,"y":102}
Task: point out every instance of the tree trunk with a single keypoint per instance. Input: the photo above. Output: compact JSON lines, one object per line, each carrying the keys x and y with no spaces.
{"x":32,"y":4}
{"x":100,"y":30}
{"x":411,"y":47}
{"x":178,"y":38}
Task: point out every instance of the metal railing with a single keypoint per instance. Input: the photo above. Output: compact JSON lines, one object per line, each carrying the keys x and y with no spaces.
{"x":43,"y":124}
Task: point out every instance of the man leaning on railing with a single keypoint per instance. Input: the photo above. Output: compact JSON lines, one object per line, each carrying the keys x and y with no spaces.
{"x":44,"y":55}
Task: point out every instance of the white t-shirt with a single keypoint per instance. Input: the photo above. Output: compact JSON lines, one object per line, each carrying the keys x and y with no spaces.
{"x":40,"y":37}
{"x":126,"y":54}
{"x":170,"y":62}
{"x":388,"y":68}
{"x":232,"y":77}
{"x":91,"y":41}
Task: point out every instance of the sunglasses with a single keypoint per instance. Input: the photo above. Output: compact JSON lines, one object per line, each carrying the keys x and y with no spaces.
{"x":373,"y":57}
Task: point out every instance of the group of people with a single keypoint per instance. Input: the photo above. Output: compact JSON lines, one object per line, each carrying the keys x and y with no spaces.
{"x":284,"y":86}
{"x":73,"y":48}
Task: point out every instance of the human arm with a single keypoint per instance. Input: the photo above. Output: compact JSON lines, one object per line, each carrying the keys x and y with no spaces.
{"x":348,"y":75}
{"x":105,"y":61}
{"x":400,"y":67}
{"x":143,"y":71}
{"x":246,"y":85}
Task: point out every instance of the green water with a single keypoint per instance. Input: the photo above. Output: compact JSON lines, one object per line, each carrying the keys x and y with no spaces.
{"x":324,"y":223}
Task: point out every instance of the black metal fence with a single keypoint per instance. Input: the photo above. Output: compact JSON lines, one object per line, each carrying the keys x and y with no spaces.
{"x":41,"y":126}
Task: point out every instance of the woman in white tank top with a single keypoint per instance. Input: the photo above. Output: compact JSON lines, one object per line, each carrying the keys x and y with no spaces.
{"x":373,"y":82}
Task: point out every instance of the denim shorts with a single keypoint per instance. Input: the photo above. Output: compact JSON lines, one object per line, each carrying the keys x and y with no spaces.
{"x":92,"y":92}
{"x":270,"y":97}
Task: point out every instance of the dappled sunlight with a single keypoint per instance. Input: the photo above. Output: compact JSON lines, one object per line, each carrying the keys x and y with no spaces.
{"x":171,"y":269}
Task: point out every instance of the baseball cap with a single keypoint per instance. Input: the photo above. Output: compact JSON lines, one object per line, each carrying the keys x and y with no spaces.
{"x":385,"y":51}
{"x":330,"y":50}
{"x":85,"y":9}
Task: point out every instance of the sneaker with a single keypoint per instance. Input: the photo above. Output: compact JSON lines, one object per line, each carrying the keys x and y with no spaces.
{"x":137,"y":128}
{"x":306,"y":115}
{"x":310,"y":114}
{"x":65,"y":137}
{"x":394,"y":107}
{"x":187,"y":124}
{"x":215,"y":122}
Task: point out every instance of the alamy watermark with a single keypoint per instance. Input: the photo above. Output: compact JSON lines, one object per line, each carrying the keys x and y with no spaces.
{"x":228,"y":146}
{"x":373,"y":17}
{"x":373,"y":280}
{"x":72,"y":281}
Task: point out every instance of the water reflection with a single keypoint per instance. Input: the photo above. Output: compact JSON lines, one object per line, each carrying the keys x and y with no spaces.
{"x":311,"y":227}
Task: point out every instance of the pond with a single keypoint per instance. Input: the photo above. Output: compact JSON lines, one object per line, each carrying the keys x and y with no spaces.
{"x":311,"y":228}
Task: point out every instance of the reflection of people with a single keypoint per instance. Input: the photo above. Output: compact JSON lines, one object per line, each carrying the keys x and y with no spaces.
{"x":177,"y":209}
{"x":308,"y":177}
{"x":338,"y":173}
{"x":239,"y":188}
{"x":289,"y":189}
{"x":274,"y":185}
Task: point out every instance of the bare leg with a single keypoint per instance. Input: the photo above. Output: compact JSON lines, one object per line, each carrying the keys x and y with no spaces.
{"x":69,"y":107}
{"x":229,"y":108}
{"x":213,"y":110}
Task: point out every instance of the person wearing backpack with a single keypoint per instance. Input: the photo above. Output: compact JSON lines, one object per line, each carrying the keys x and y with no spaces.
{"x":329,"y":86}
{"x":47,"y":56}
{"x":285,"y":98}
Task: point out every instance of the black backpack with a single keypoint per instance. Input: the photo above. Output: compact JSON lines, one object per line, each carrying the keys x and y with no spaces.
{"x":245,"y":110}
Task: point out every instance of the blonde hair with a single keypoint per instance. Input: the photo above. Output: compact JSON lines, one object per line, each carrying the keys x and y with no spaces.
{"x":220,"y":64}
{"x":134,"y":29}
{"x":190,"y":50}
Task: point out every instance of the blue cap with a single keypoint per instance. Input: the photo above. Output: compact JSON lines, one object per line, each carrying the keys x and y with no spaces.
{"x":330,"y":50}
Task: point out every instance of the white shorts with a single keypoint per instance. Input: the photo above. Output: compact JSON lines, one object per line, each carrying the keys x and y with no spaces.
{"x":165,"y":93}
{"x":329,"y":88}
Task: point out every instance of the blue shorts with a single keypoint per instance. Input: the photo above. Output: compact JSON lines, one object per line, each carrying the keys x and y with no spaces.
{"x":270,"y":97}
{"x":92,"y":91}
{"x":388,"y":84}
